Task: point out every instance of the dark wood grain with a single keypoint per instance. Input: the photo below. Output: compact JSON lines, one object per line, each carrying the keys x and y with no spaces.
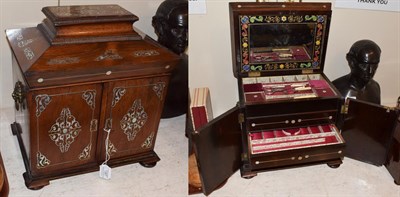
{"x":85,"y":71}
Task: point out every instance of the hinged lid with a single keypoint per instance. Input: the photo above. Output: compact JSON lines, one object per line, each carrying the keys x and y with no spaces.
{"x":279,"y":38}
{"x":78,"y":44}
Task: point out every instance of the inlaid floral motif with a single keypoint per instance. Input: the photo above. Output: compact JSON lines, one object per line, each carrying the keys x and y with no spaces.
{"x":149,"y":141}
{"x":133,"y":120}
{"x":246,"y":21}
{"x":86,"y":152}
{"x":158,"y":89}
{"x":118,"y":93}
{"x":42,"y":101}
{"x":65,"y":130}
{"x":89,"y":96}
{"x":145,"y":53}
{"x":42,"y":161}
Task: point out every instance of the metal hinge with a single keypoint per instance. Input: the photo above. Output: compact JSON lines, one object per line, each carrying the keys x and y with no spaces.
{"x":241,"y":118}
{"x":254,"y":74}
{"x":244,"y":157}
{"x":344,"y":109}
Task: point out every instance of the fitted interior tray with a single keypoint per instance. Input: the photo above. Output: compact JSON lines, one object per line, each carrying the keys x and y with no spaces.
{"x":267,"y":141}
{"x":264,"y":89}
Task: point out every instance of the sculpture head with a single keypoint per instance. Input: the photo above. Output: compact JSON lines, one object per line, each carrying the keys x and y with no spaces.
{"x":171,"y":24}
{"x":363,"y":59}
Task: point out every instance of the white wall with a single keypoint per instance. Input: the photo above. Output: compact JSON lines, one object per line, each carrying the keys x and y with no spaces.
{"x":210,"y":53}
{"x":23,"y":13}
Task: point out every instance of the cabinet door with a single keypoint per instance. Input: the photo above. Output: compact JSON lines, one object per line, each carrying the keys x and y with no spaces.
{"x":368,"y":130}
{"x":393,"y":158}
{"x":64,"y":124}
{"x":217,"y":146}
{"x":133,"y":110}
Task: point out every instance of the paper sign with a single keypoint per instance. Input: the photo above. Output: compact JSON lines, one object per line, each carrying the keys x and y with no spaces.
{"x":383,"y":5}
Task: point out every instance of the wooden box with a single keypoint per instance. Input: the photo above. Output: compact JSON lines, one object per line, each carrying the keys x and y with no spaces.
{"x":88,"y":89}
{"x":287,"y":108}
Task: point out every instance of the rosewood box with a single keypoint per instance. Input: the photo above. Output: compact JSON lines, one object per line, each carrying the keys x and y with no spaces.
{"x":287,"y":109}
{"x":88,"y":89}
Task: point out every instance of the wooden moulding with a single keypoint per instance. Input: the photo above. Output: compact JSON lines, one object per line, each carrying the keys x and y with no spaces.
{"x":87,"y":24}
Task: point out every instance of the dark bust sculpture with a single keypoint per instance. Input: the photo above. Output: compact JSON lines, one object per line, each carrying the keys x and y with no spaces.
{"x":363,"y":59}
{"x":171,"y":26}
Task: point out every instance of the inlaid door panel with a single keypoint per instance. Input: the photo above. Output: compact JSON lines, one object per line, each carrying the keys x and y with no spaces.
{"x":64,"y":126}
{"x":133,"y":111}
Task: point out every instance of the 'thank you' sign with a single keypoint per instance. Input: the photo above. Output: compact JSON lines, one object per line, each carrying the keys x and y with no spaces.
{"x":383,"y":5}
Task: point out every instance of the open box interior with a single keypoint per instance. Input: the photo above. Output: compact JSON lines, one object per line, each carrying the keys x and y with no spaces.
{"x":264,"y":89}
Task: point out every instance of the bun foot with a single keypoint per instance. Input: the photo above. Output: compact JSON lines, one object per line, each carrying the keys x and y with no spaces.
{"x":148,"y":165}
{"x":248,"y":177}
{"x":333,"y":165}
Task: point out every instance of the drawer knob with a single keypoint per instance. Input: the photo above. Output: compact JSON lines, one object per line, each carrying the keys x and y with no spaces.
{"x":108,"y":72}
{"x":167,"y":66}
{"x":40,"y":80}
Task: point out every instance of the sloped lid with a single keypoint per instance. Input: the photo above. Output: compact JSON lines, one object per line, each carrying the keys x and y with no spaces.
{"x":279,"y":38}
{"x":86,"y":51}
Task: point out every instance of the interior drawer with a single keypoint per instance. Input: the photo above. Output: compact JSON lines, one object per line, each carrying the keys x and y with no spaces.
{"x":291,"y":120}
{"x":272,"y":148}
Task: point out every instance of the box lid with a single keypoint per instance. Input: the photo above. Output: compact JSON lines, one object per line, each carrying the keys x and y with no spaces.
{"x":101,"y":45}
{"x":278,"y":38}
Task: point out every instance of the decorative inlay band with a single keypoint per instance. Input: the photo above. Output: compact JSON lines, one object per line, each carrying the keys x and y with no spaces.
{"x":109,"y":54}
{"x":89,"y":96}
{"x":67,"y":60}
{"x":29,"y":53}
{"x":24,"y":43}
{"x":145,"y":53}
{"x":20,"y":36}
{"x":65,"y":130}
{"x":87,"y":11}
{"x":42,"y":161}
{"x":246,"y":21}
{"x":133,"y":120}
{"x":86,"y":152}
{"x":149,"y":141}
{"x":118,"y":93}
{"x":158,"y":89}
{"x":42,"y":101}
{"x":93,"y":125}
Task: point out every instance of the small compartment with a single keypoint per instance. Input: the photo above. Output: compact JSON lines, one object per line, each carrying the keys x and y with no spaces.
{"x":286,"y":87}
